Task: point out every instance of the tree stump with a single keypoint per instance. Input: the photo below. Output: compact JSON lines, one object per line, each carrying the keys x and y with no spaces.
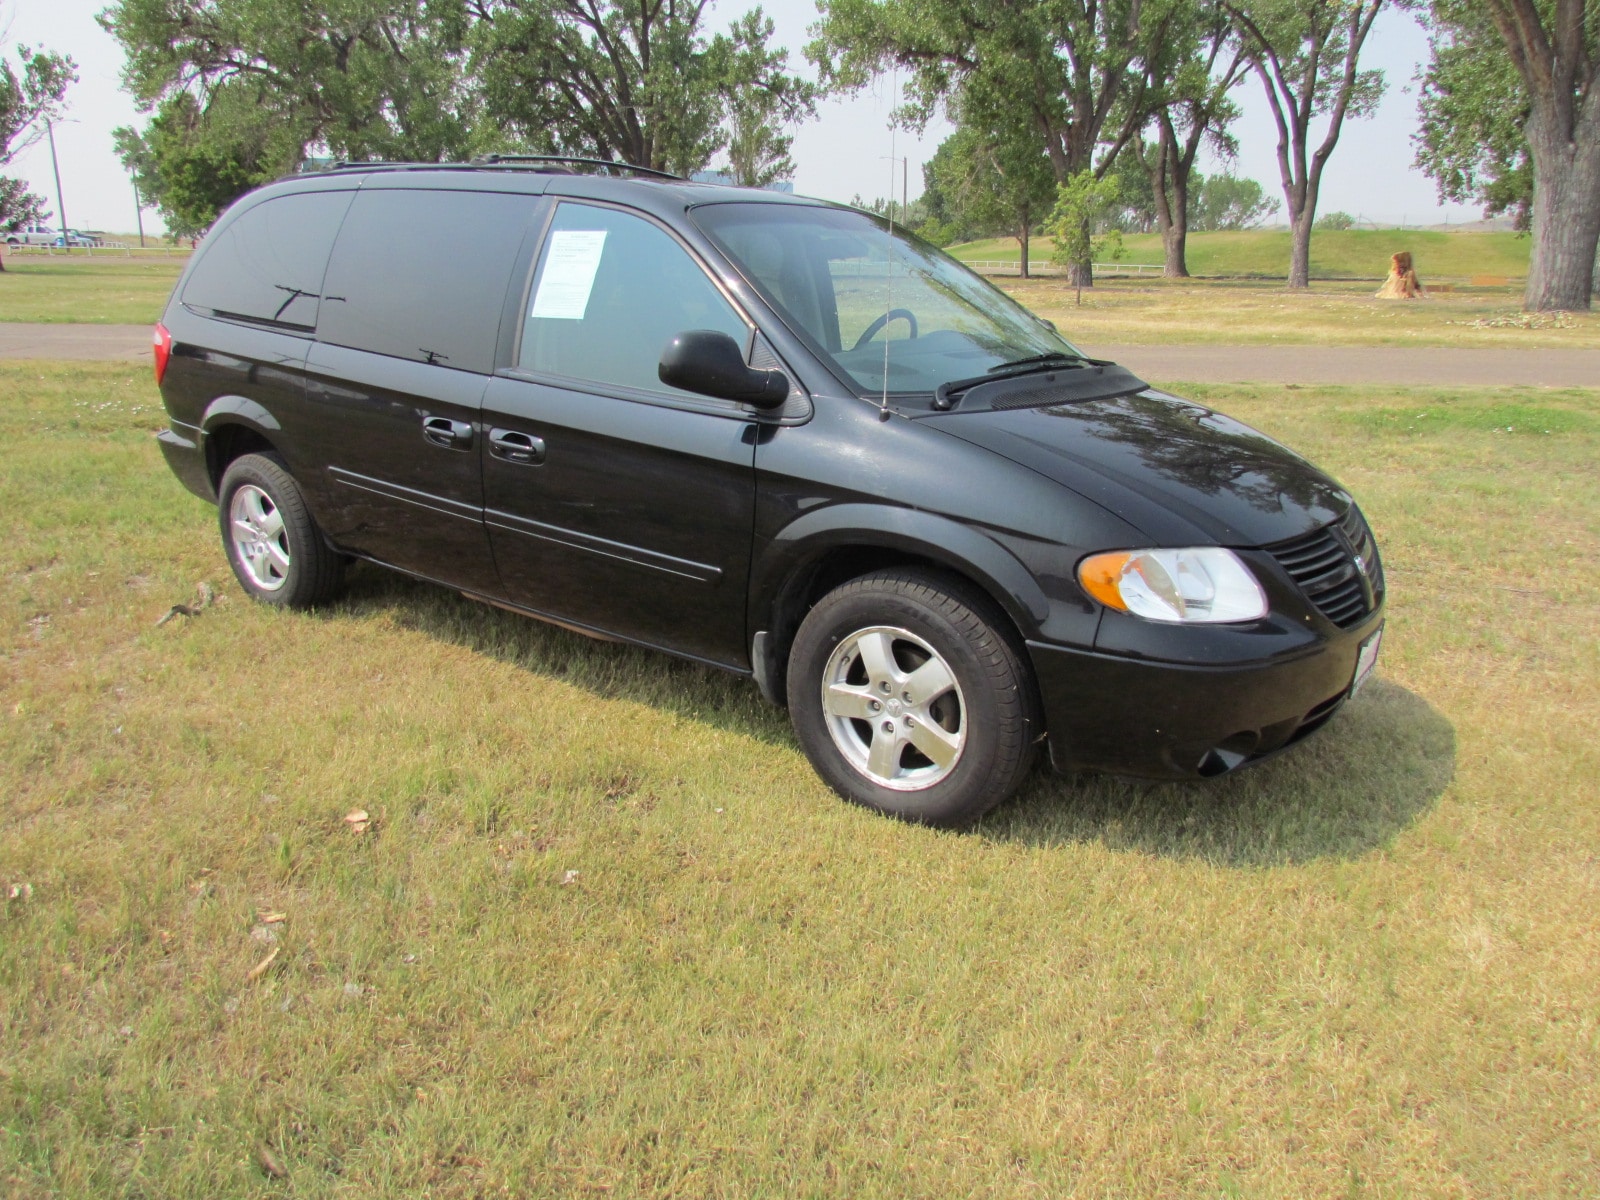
{"x":1402,"y":283}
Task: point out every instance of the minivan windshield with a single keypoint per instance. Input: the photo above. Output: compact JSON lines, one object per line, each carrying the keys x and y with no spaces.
{"x":891,"y":312}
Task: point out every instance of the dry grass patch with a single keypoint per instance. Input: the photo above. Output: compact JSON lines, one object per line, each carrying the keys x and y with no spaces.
{"x":1150,"y":311}
{"x":605,"y":933}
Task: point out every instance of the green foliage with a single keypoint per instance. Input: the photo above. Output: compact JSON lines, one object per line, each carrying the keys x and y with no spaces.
{"x":1227,"y":202}
{"x":1060,"y":69}
{"x":991,"y":174}
{"x":761,"y":100}
{"x":628,"y":80}
{"x":1336,"y":221}
{"x":360,"y":78}
{"x":30,"y":98}
{"x":1082,"y":204}
{"x":192,"y":163}
{"x":244,"y":92}
{"x":19,"y":206}
{"x":1472,"y":111}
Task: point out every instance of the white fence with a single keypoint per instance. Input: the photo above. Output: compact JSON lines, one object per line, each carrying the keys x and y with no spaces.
{"x":1000,"y":266}
{"x":104,"y":248}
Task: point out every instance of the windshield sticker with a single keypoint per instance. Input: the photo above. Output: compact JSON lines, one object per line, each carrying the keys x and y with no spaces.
{"x":569,"y":270}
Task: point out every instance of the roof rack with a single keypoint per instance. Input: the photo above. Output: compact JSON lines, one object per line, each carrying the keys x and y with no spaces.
{"x":491,"y":160}
{"x":533,"y":161}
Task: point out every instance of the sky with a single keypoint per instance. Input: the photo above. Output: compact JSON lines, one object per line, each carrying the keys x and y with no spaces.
{"x":844,"y":152}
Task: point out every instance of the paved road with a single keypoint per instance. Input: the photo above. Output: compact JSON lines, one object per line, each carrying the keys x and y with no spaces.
{"x":1396,"y":365}
{"x":74,"y":341}
{"x":1399,"y":366}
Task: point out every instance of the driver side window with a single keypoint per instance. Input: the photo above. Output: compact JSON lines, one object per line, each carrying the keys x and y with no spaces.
{"x":610,"y":291}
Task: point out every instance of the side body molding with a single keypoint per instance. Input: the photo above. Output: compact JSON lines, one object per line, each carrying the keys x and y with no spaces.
{"x":960,"y":547}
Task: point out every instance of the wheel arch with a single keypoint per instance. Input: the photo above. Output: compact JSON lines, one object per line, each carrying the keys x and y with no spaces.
{"x":824,"y":549}
{"x":234,"y":426}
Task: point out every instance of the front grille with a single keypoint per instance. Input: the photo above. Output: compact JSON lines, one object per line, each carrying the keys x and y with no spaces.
{"x":1323,"y":563}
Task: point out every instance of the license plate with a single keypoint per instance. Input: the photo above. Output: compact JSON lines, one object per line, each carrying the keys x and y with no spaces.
{"x":1366,"y":660}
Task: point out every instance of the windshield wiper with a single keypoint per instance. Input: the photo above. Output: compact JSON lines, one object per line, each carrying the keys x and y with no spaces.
{"x":1055,"y":356}
{"x":944,"y":396}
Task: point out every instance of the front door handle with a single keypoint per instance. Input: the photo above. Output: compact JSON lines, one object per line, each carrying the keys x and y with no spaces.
{"x":516,"y":447}
{"x":442,"y":431}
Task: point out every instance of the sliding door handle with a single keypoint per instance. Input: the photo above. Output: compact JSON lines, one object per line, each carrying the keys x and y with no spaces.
{"x":442,"y":431}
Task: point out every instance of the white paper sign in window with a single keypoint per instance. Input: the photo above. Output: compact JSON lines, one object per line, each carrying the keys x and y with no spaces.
{"x":569,"y":270}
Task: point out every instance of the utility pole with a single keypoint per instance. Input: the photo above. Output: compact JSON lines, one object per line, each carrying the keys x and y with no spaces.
{"x":61,"y":204}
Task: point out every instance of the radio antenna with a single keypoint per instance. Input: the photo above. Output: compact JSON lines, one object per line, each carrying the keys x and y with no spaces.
{"x":888,"y":306}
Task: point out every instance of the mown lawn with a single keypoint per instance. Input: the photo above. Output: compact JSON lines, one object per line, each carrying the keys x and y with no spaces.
{"x":1335,"y":254}
{"x":606,"y":934}
{"x":104,"y":289}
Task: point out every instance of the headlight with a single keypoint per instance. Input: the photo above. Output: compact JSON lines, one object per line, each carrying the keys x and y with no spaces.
{"x":1203,"y":584}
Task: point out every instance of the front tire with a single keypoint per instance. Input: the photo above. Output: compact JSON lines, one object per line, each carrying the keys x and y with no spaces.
{"x":275,"y":548}
{"x":909,"y":698}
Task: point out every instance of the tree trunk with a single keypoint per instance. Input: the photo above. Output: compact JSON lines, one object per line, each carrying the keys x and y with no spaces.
{"x":1175,"y":237}
{"x":1022,"y":238}
{"x":1300,"y":246}
{"x":1566,"y":215}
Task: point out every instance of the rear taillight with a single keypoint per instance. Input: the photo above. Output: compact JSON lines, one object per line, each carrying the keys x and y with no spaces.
{"x":162,"y":342}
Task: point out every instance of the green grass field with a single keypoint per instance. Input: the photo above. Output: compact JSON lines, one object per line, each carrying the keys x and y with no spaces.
{"x":102,"y":290}
{"x":606,"y":934}
{"x":1340,"y":254}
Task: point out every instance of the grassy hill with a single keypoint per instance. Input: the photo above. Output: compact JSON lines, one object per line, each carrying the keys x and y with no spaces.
{"x":1346,"y":254}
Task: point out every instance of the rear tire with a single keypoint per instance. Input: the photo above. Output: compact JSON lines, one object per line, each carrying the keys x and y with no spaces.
{"x":275,"y":548}
{"x":909,"y":697}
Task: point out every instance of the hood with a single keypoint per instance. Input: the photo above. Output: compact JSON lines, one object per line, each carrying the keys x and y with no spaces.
{"x":1181,"y":473}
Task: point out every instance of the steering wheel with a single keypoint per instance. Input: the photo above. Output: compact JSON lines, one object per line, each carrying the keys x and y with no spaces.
{"x":866,"y":336}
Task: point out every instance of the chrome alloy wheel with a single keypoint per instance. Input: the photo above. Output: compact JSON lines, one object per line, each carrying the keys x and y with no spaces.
{"x":259,"y":538}
{"x":893,"y":708}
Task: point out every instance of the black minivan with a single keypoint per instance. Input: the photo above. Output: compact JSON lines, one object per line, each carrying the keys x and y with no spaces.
{"x":771,"y":434}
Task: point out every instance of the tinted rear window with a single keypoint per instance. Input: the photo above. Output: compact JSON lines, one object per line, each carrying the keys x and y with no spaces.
{"x":423,"y":275}
{"x":267,"y":265}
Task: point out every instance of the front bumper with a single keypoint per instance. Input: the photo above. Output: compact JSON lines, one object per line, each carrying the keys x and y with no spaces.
{"x":1167,"y":720}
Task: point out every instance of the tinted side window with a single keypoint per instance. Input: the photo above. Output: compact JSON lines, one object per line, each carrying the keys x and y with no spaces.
{"x":267,"y":265}
{"x":423,"y":275}
{"x":611,"y":290}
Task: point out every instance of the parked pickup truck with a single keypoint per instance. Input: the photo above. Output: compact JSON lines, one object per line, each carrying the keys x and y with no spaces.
{"x":31,"y":235}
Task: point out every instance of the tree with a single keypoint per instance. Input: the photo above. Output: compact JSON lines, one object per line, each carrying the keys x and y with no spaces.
{"x":1226,"y":202}
{"x":19,"y":207}
{"x":1306,"y":54}
{"x":1471,"y":114}
{"x":993,"y":172}
{"x":31,"y":98}
{"x":633,"y":80}
{"x":1064,"y":67}
{"x":242,"y":92}
{"x":1081,"y":202}
{"x":28,"y":100}
{"x":1192,"y":74}
{"x":1336,"y":221}
{"x":1503,"y":65}
{"x":191,"y":163}
{"x":761,"y":100}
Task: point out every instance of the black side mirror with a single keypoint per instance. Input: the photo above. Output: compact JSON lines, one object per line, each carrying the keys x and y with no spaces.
{"x":710,"y":363}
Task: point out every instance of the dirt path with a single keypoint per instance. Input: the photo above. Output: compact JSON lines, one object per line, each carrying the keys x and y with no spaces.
{"x":1400,"y":366}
